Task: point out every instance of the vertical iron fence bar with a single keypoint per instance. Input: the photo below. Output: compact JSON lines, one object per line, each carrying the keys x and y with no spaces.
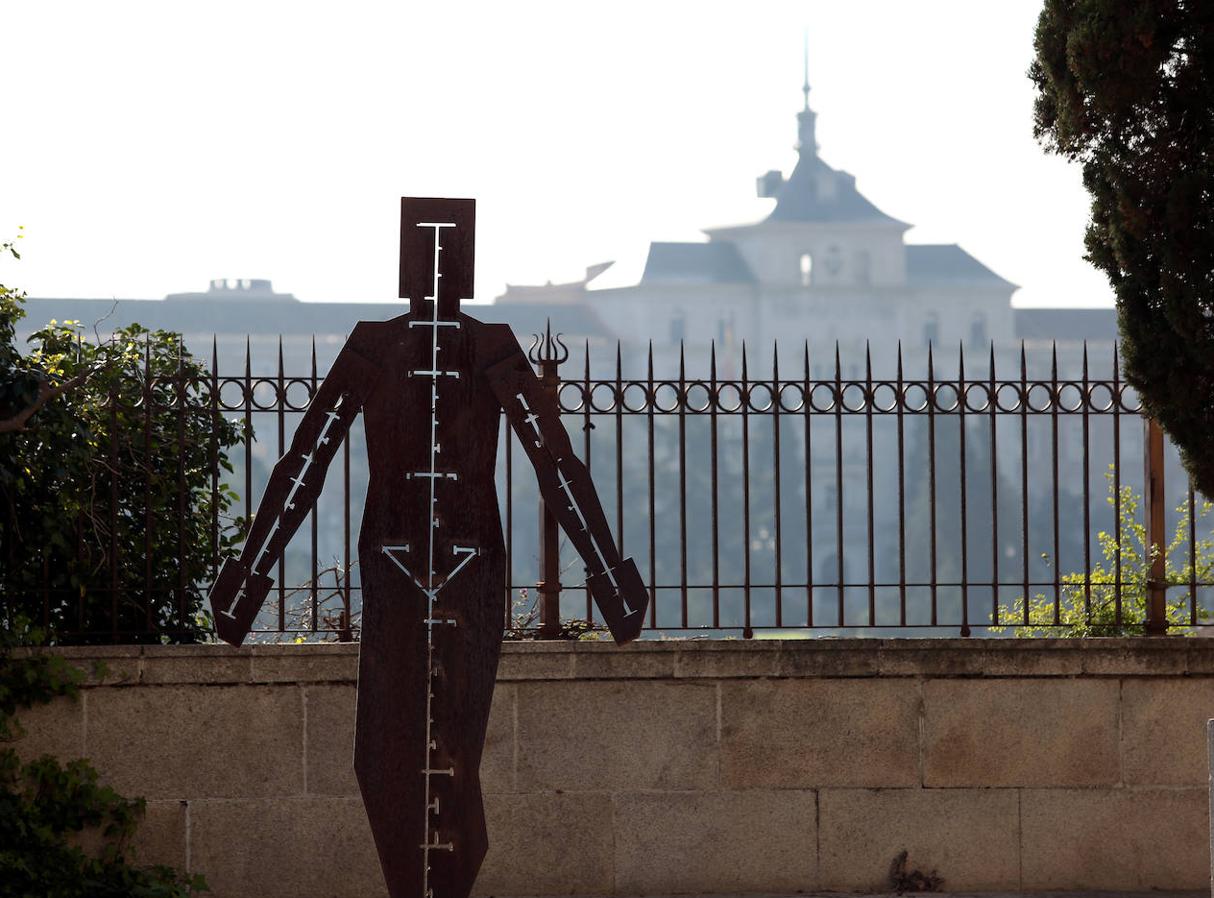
{"x":248,"y":436}
{"x":1087,"y":493}
{"x":1154,"y":507}
{"x":549,"y":587}
{"x":993,"y":410}
{"x":183,"y":567}
{"x":280,"y":413}
{"x":587,"y":426}
{"x":619,"y":449}
{"x":806,"y":410}
{"x":113,"y":510}
{"x":1054,"y":481}
{"x":714,"y":401}
{"x":148,"y":514}
{"x":965,"y":554}
{"x":839,"y":485}
{"x":901,"y":406}
{"x":80,"y":622}
{"x":653,"y":562}
{"x":682,"y":406}
{"x":931,"y":478}
{"x":214,"y":456}
{"x":1192,"y":555}
{"x":1024,"y":478}
{"x":747,"y":631}
{"x":775,"y":433}
{"x":868,"y":457}
{"x":315,"y":573}
{"x":1117,"y":409}
{"x":46,"y":589}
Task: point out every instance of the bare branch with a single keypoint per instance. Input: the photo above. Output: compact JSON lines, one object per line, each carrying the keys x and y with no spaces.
{"x":46,"y":393}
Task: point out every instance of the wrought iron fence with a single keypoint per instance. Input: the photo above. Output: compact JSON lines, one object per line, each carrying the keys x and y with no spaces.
{"x":796,"y":502}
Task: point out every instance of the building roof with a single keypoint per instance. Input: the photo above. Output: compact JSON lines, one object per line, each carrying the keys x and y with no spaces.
{"x":818,"y":193}
{"x":937,"y":262}
{"x":698,"y":263}
{"x":208,"y":315}
{"x":1095,"y":325}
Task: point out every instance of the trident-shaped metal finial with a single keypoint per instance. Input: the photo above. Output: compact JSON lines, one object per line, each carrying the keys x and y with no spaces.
{"x":547,"y":349}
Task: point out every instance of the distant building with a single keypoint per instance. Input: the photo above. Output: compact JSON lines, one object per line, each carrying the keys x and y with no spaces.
{"x":825,"y":265}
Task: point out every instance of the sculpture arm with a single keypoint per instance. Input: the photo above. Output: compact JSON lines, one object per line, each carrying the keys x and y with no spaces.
{"x":295,"y":484}
{"x":565,"y":484}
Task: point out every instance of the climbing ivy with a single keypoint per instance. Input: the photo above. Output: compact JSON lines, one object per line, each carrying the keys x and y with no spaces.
{"x":47,"y":805}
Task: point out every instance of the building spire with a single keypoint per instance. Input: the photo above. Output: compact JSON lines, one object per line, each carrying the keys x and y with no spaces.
{"x":805,"y":86}
{"x":806,"y":118}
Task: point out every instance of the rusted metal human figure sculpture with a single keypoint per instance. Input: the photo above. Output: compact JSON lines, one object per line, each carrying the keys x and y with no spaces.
{"x":431,"y":384}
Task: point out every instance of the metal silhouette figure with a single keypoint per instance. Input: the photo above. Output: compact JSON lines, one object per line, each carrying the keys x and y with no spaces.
{"x":431,"y":384}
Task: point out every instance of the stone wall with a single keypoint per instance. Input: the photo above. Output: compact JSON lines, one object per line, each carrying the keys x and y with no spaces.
{"x":687,"y":766}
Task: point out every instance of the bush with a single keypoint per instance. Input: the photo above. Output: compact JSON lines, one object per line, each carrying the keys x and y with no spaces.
{"x":107,"y":450}
{"x":1098,"y":614}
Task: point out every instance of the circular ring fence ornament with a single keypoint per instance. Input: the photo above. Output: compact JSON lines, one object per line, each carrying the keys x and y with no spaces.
{"x":798,"y":391}
{"x":855,"y":398}
{"x":263,"y":387}
{"x":884,"y":398}
{"x":298,"y":403}
{"x":229,"y":389}
{"x":1100,"y":398}
{"x":736,"y":392}
{"x":604,"y":398}
{"x":940,"y":391}
{"x":666,"y":397}
{"x":982,"y":391}
{"x":1040,"y":398}
{"x":751,"y":404}
{"x":1008,"y":397}
{"x":578,"y":390}
{"x":1070,"y":397}
{"x":698,"y":397}
{"x":630,"y":397}
{"x":816,"y":397}
{"x":914,"y":396}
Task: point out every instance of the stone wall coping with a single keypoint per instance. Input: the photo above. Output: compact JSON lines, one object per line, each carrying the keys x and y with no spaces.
{"x":670,"y":659}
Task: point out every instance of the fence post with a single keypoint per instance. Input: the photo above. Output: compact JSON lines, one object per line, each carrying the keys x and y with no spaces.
{"x":1154,"y":510}
{"x":548,"y":353}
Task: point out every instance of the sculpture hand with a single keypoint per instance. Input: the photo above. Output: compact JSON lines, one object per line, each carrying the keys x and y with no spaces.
{"x":236,"y":596}
{"x":622,"y":604}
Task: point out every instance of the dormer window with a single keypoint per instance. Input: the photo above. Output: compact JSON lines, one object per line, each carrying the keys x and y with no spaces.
{"x":807,"y":269}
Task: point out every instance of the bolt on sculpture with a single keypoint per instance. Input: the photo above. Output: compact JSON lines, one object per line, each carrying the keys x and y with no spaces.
{"x":431,"y":384}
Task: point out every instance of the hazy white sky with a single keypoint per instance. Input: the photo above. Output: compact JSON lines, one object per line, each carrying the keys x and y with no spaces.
{"x":150,"y":147}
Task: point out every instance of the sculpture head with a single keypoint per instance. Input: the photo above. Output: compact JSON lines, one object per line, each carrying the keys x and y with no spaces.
{"x":423,"y":220}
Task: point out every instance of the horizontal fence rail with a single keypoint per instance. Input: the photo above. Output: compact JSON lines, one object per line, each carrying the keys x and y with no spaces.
{"x":799,"y":502}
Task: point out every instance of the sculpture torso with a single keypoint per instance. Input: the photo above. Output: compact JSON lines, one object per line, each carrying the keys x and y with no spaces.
{"x":412,"y":408}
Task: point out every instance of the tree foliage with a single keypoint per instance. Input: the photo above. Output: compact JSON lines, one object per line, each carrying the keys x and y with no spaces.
{"x":1126,"y":88}
{"x":107,"y":447}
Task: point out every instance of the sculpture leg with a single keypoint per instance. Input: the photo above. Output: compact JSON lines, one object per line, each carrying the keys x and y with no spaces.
{"x":424,"y":800}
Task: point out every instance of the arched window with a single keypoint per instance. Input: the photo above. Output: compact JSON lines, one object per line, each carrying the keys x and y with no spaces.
{"x":978,"y":335}
{"x":863,"y":267}
{"x":807,"y":269}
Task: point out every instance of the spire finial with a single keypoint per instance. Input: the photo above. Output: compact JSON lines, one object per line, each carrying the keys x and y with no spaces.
{"x":807,"y":142}
{"x":805,"y":84}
